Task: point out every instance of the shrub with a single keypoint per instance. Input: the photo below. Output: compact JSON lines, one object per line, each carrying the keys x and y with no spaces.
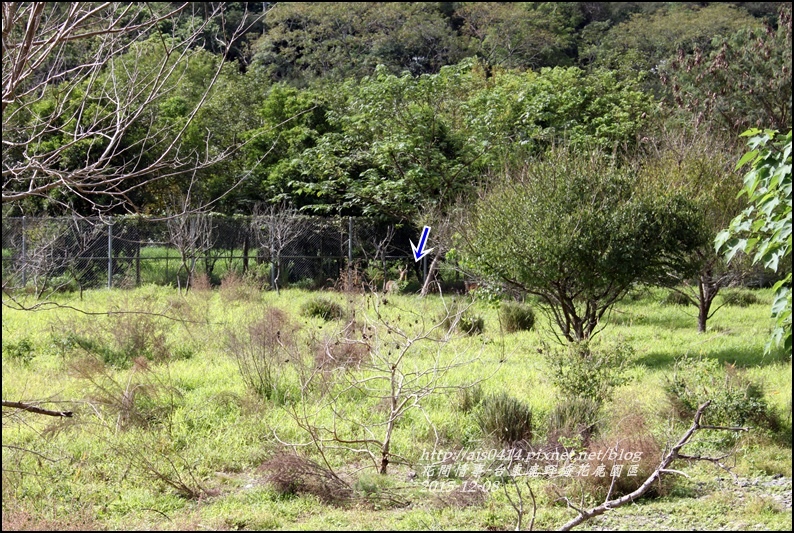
{"x":735,"y":400}
{"x":21,"y":351}
{"x":638,"y":443}
{"x":292,"y":475}
{"x":471,"y":324}
{"x":516,"y":317}
{"x":573,"y":417}
{"x":469,"y":398}
{"x":237,"y":288}
{"x":340,"y":352}
{"x":676,"y":298}
{"x":324,"y":308}
{"x":739,"y":298}
{"x":460,"y":316}
{"x":505,"y":418}
{"x":306,"y":284}
{"x":139,"y":334}
{"x":262,"y":352}
{"x":588,"y":370}
{"x":136,"y":328}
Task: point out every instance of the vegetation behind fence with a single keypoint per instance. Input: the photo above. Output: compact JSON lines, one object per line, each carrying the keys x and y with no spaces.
{"x":277,"y":248}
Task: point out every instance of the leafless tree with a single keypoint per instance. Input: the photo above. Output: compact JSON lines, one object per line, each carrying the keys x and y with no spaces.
{"x":57,"y":252}
{"x":79,"y":72}
{"x":191,"y":233}
{"x":274,"y":228}
{"x":387,"y":371}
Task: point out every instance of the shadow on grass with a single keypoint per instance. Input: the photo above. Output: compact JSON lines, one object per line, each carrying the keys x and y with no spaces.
{"x":667,"y":317}
{"x":741,"y":356}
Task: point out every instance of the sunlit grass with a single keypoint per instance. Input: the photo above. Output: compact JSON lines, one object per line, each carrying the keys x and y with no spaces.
{"x":220,"y":432}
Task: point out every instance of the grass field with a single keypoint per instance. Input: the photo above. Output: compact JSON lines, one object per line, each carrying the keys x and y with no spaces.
{"x":175,"y":427}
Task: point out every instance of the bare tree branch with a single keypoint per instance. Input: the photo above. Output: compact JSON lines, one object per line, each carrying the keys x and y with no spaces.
{"x":37,"y":410}
{"x":674,"y":453}
{"x":79,"y":77}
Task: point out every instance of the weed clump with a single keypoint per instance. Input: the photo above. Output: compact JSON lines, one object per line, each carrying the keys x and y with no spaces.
{"x":471,"y":324}
{"x":469,"y":398}
{"x":340,"y":352}
{"x":262,"y":352}
{"x":292,"y":475}
{"x":573,"y":418}
{"x":324,"y":308}
{"x":516,"y":317}
{"x":237,"y":288}
{"x":458,"y":315}
{"x":21,"y":351}
{"x":506,"y":419}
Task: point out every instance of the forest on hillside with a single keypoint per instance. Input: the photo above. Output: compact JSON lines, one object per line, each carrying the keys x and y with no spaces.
{"x":380,"y":109}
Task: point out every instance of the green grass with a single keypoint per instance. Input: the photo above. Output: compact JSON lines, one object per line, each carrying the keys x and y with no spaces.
{"x":197,"y":424}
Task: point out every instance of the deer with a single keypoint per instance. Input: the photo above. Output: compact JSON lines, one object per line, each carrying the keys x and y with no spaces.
{"x":392,"y":286}
{"x":470,"y":285}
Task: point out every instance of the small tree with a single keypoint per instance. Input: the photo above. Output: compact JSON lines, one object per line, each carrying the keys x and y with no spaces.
{"x":384,"y":363}
{"x":274,"y":228}
{"x":765,"y":226}
{"x":698,"y":166}
{"x":572,"y":229}
{"x":191,"y":234}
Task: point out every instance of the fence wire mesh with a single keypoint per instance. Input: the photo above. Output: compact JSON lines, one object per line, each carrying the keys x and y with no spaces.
{"x":76,"y":253}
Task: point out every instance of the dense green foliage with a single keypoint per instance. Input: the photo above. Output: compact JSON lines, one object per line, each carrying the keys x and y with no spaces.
{"x":764,"y":228}
{"x":387,"y":109}
{"x":575,"y":229}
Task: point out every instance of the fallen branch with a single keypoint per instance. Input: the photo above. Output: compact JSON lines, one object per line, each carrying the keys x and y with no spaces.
{"x":37,"y":410}
{"x":671,"y":456}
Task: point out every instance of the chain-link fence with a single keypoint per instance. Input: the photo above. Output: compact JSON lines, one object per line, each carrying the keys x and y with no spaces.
{"x":76,"y":253}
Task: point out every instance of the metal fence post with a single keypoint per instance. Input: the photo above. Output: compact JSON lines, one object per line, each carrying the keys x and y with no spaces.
{"x":349,"y":252}
{"x":110,"y":253}
{"x":24,"y":251}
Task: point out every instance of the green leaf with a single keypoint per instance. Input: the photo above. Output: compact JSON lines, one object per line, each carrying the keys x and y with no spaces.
{"x":747,"y":157}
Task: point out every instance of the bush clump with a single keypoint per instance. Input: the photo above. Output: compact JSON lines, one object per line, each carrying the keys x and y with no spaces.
{"x":21,"y":351}
{"x":263,"y":351}
{"x":469,"y":398}
{"x":516,"y":317}
{"x":573,"y":417}
{"x":506,"y":419}
{"x":590,"y":371}
{"x":676,"y":298}
{"x":735,"y":400}
{"x":292,"y":475}
{"x":324,"y":308}
{"x":471,"y":324}
{"x":739,"y":298}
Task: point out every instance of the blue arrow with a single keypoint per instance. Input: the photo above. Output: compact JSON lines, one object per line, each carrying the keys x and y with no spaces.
{"x":418,"y":251}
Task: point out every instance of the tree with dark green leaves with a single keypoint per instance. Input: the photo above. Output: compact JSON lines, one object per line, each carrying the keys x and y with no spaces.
{"x":308,"y":41}
{"x":646,"y":40}
{"x":572,"y":228}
